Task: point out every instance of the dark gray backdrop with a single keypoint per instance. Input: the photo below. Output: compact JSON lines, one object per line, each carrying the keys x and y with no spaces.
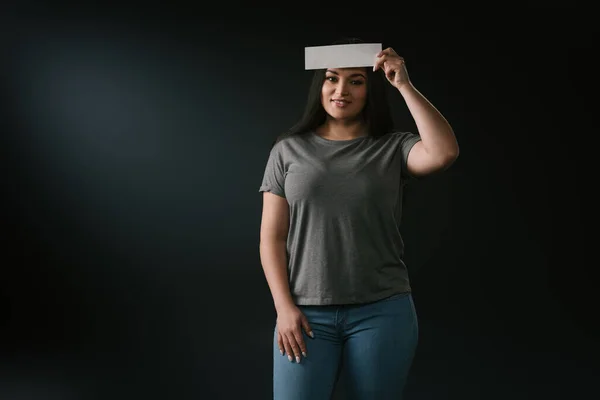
{"x":133,"y":144}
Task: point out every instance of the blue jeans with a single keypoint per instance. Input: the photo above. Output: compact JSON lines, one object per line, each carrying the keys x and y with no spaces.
{"x":374,"y":343}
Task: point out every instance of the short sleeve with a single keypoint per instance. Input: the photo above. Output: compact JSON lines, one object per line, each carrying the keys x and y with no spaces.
{"x":406,"y":142}
{"x":274,"y":175}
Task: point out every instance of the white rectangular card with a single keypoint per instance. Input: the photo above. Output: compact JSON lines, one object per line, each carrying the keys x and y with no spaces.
{"x":341,"y":56}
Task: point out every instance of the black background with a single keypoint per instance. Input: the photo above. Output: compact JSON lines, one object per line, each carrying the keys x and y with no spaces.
{"x":134,"y":139}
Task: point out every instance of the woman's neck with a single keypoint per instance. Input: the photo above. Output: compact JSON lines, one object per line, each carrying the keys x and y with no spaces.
{"x":340,"y":130}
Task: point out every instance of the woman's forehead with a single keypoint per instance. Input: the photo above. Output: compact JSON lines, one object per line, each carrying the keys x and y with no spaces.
{"x":347,"y":71}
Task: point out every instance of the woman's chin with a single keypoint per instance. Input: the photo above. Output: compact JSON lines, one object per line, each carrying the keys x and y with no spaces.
{"x":343,"y":115}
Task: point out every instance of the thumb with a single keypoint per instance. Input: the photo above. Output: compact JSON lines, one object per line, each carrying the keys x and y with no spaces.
{"x":307,"y":327}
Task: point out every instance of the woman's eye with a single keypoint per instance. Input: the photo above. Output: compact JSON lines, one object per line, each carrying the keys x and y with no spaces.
{"x":354,"y":82}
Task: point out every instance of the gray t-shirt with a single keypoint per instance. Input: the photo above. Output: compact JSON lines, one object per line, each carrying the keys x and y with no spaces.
{"x":345,"y":200}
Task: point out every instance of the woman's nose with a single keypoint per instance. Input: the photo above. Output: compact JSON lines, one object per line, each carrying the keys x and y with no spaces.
{"x":341,"y":88}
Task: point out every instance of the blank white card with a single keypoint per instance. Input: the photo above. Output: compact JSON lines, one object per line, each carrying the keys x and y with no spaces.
{"x":341,"y":56}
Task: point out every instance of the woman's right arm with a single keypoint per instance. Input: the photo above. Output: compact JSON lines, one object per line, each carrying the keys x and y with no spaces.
{"x":273,"y":255}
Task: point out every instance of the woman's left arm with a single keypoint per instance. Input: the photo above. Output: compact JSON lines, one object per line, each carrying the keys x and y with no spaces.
{"x":438,"y":147}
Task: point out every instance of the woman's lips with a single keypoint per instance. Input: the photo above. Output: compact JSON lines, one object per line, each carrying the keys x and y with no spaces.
{"x":340,"y":103}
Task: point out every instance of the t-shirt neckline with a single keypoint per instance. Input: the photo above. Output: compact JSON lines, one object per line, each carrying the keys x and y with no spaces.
{"x":336,"y":142}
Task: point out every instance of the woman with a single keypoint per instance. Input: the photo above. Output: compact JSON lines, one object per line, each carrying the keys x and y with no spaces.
{"x":330,"y":245}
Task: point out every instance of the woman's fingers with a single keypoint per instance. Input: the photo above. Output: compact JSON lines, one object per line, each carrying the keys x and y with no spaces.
{"x":300,"y":341}
{"x":287,"y":347}
{"x":280,"y":343}
{"x":295,"y":348}
{"x":307,"y":328}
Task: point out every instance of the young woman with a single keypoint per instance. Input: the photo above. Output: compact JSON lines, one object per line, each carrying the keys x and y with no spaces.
{"x":330,"y":245}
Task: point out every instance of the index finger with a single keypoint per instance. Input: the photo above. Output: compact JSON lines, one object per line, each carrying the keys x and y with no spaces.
{"x":379,"y":60}
{"x":388,"y":50}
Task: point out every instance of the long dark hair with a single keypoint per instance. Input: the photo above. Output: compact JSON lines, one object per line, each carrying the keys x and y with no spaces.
{"x":376,"y":112}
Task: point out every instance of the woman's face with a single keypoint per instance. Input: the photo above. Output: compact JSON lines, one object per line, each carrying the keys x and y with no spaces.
{"x":344,"y":92}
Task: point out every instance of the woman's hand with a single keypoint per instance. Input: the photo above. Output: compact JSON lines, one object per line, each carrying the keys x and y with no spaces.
{"x":290,"y":323}
{"x":393,"y":66}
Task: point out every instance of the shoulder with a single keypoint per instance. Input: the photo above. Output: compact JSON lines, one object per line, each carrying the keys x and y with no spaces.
{"x":404,"y":135}
{"x":287,"y":142}
{"x":285,"y":149}
{"x":400,"y":138}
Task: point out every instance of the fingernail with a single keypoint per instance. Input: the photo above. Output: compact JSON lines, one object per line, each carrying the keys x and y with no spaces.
{"x":281,"y":351}
{"x":312,"y":335}
{"x":298,"y":360}
{"x":304,"y":354}
{"x":290,"y":358}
